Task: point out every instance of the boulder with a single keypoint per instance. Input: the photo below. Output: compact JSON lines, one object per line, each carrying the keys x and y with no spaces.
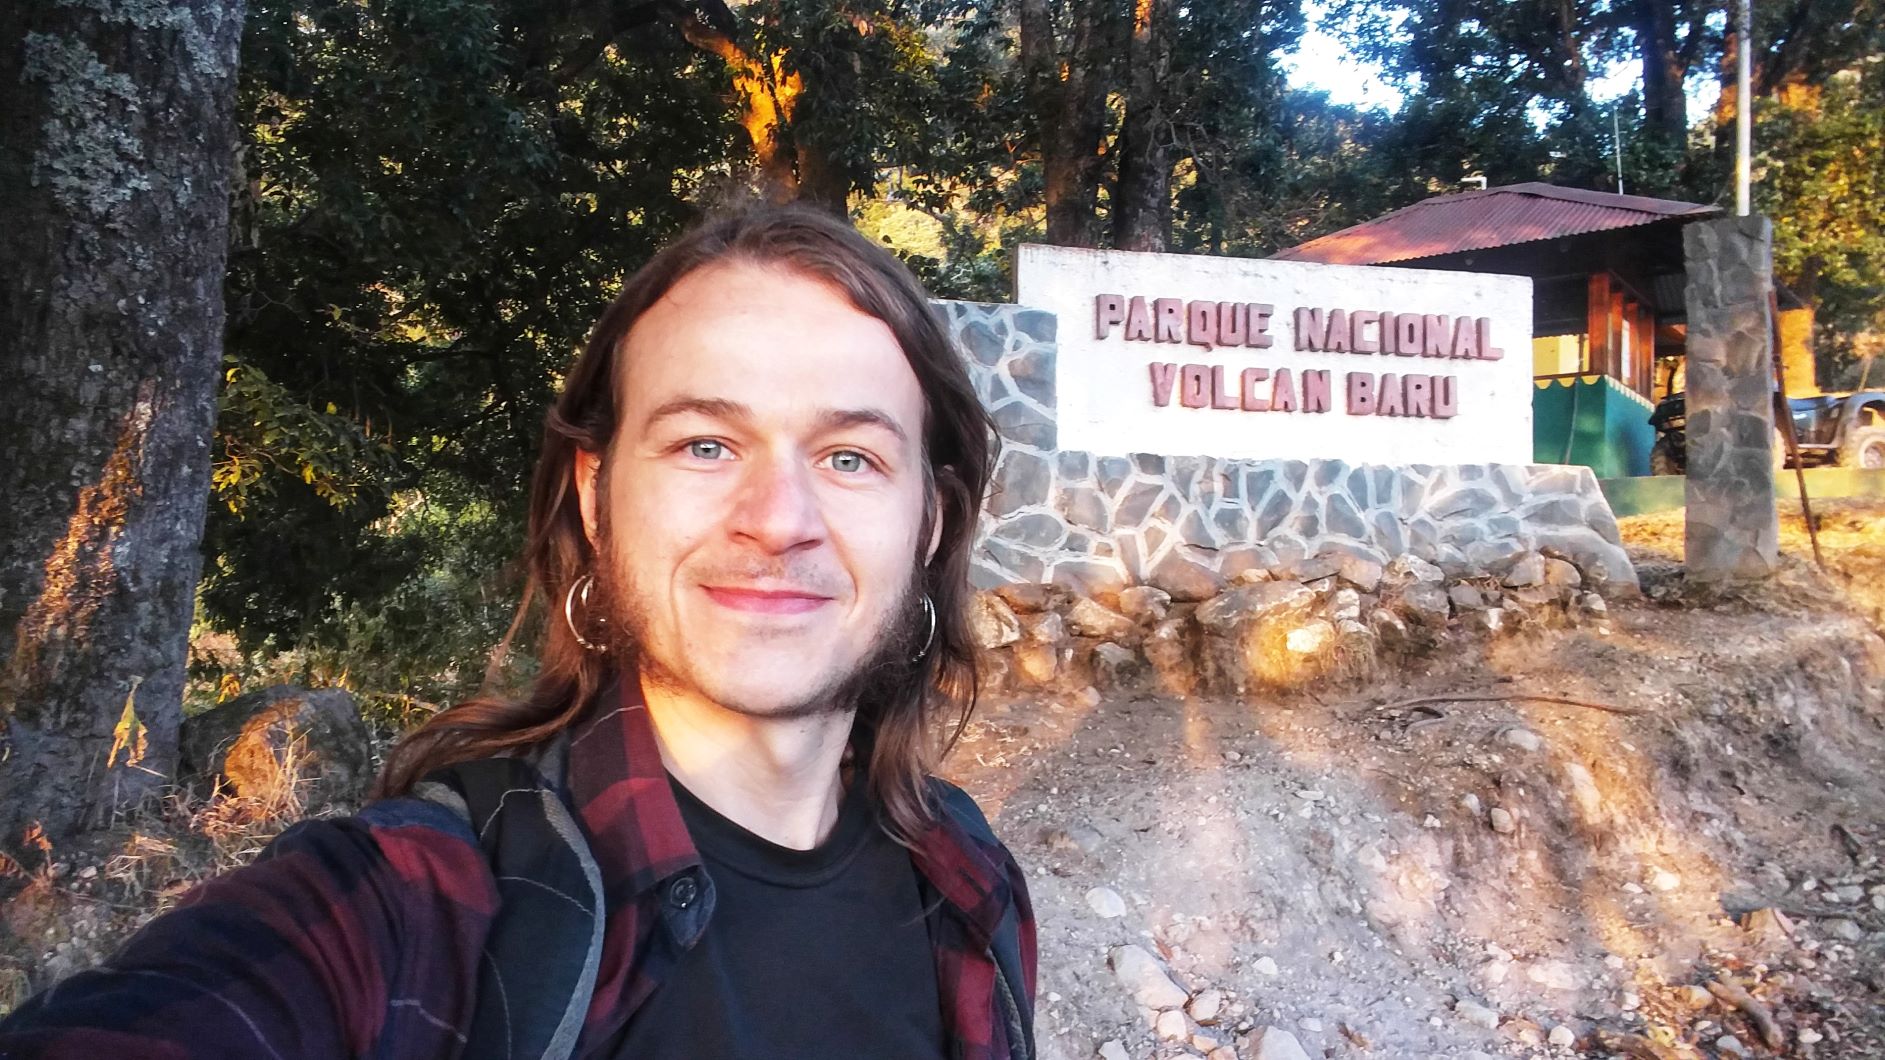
{"x":992,"y":624}
{"x":1143,"y":603}
{"x":281,"y":738}
{"x":1425,"y":604}
{"x":1087,"y":618}
{"x":1409,"y":569}
{"x":1249,"y":602}
{"x":1168,"y":651}
{"x":1117,"y":668}
{"x":1035,"y":664}
{"x":1185,"y":580}
{"x":1026,"y":598}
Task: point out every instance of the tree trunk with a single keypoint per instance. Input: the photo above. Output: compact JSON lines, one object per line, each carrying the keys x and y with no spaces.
{"x":1066,"y":89}
{"x":1665,"y":108}
{"x":116,"y":144}
{"x":1142,"y":201}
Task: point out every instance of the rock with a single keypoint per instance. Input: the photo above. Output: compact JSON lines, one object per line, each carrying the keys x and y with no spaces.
{"x":1561,"y":574}
{"x":1143,"y":603}
{"x":1168,"y":650}
{"x":1344,"y":605}
{"x":1769,"y":925}
{"x":1250,"y":602}
{"x":1359,"y":571}
{"x":1105,"y":903}
{"x":1585,"y":795}
{"x":992,"y":623}
{"x":1273,"y":1043}
{"x":1593,"y":605}
{"x":281,"y":738}
{"x":1312,"y":638}
{"x":1267,"y":966}
{"x":1490,"y":620}
{"x":1465,"y":598}
{"x":1523,"y":739}
{"x":1409,"y":569}
{"x":1843,"y":929}
{"x":1694,"y":996}
{"x":1529,"y":569}
{"x":1026,"y":598}
{"x":1114,"y":1049}
{"x":1206,"y":1007}
{"x":1501,"y":820}
{"x":1251,"y":576}
{"x":1185,"y":580}
{"x":1664,"y":880}
{"x":1809,"y":1036}
{"x":1142,"y":976}
{"x":1476,"y":1014}
{"x":1389,"y":628}
{"x":1425,"y":604}
{"x":1079,"y":838}
{"x":1729,"y":1045}
{"x":1225,"y":1052}
{"x":1036,"y":664}
{"x":1046,"y":627}
{"x":1089,"y":618}
{"x":1171,"y":1026}
{"x":1562,"y":1037}
{"x":1116,"y":668}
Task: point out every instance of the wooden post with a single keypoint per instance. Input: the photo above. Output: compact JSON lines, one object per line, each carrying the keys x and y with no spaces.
{"x":1597,"y":323}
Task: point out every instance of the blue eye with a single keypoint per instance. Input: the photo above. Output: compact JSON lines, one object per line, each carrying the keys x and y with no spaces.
{"x":849,"y":462}
{"x":706,"y":449}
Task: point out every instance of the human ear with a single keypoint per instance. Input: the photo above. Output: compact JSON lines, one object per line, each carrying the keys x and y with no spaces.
{"x":583,"y":471}
{"x":936,"y":523}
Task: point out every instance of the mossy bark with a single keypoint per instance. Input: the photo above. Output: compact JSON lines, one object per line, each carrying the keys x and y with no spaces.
{"x":116,"y":147}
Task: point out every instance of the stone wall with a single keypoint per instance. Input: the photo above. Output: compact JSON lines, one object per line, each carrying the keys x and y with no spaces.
{"x":1189,"y":524}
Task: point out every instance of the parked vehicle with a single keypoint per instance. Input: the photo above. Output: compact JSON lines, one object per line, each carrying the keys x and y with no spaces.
{"x":1847,"y":430}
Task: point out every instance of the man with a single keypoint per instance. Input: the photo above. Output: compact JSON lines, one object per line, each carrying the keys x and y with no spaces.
{"x":709,"y":829}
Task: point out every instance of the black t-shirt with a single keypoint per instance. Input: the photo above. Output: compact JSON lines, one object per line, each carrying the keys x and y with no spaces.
{"x":812,"y":954}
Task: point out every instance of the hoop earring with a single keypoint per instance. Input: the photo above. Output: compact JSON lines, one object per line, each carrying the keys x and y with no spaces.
{"x":580,"y":587}
{"x":930,"y":610}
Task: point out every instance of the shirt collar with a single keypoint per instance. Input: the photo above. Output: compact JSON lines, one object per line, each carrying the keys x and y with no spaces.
{"x":620,"y":790}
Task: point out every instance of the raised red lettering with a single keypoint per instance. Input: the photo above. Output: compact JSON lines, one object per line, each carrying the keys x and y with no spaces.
{"x":1487,"y":351}
{"x":1315,"y":390}
{"x":1388,"y":397}
{"x":1439,"y":337}
{"x":1109,"y":310}
{"x":1260,"y":336}
{"x":1410,"y":334}
{"x":1361,"y":393}
{"x":1251,"y":377}
{"x":1138,"y":320}
{"x":1358,"y":324}
{"x":1170,"y":326}
{"x":1465,"y":338}
{"x":1195,"y":389}
{"x":1230,"y":324}
{"x":1338,"y":332}
{"x":1311,"y":330}
{"x":1283,"y":392}
{"x":1201,"y":324}
{"x":1163,"y":375}
{"x":1419,"y":400}
{"x":1220,"y":397}
{"x":1446,"y":397}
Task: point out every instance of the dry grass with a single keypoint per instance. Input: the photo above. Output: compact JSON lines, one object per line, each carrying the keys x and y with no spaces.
{"x":1852,"y":539}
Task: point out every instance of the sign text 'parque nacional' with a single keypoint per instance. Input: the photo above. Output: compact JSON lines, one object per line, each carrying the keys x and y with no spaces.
{"x":1169,"y":353}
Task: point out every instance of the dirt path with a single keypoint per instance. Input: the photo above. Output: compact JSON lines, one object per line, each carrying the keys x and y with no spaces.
{"x":1463,"y":878}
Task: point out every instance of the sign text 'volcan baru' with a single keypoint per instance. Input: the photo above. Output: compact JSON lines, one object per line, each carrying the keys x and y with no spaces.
{"x":1170,"y":353}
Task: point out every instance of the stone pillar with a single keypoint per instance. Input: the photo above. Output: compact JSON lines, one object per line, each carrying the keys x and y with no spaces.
{"x":1732,"y":531}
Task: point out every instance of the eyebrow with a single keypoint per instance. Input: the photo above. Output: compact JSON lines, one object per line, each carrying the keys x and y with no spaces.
{"x":735,"y":412}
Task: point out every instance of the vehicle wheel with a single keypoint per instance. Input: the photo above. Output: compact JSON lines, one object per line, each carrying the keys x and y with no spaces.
{"x":1863,"y":447}
{"x":1663,"y":458}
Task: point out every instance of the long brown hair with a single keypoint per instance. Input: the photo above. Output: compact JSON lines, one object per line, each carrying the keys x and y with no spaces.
{"x":894,"y":732}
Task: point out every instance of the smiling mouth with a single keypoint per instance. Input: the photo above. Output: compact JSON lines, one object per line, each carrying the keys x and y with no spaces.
{"x":766,"y":601}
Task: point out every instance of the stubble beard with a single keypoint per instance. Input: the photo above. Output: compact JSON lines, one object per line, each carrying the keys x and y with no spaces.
{"x":877,"y":675}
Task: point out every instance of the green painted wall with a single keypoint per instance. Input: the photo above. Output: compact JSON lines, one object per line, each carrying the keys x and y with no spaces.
{"x":1591,"y":420}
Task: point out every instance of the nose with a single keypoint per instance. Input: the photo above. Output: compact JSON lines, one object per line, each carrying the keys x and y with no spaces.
{"x":776,"y":507}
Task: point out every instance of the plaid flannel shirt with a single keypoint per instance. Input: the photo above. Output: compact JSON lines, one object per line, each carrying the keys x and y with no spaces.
{"x":361,"y":936}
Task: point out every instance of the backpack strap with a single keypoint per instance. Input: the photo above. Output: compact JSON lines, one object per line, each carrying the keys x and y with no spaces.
{"x":538,"y":969}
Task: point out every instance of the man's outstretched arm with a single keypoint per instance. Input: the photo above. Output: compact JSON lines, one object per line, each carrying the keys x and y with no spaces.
{"x":346,"y":938}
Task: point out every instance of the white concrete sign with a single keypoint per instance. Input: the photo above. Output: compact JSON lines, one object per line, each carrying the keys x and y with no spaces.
{"x":1236,"y":357}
